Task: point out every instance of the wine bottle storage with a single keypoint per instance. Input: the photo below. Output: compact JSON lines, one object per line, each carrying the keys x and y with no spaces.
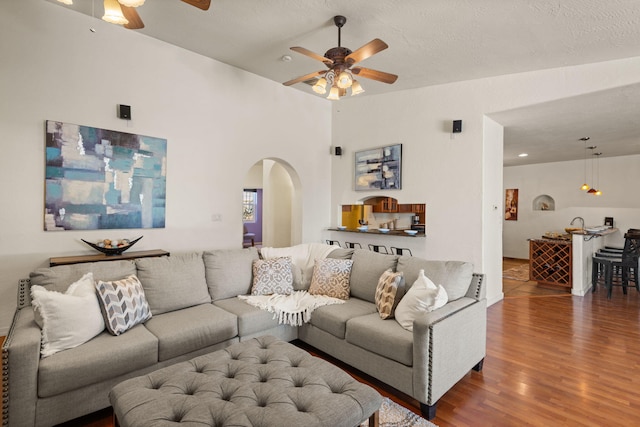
{"x":550,"y":262}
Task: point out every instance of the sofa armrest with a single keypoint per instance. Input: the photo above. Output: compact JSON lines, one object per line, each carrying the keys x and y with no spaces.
{"x":477,"y":289}
{"x":20,"y":360}
{"x":447,"y":343}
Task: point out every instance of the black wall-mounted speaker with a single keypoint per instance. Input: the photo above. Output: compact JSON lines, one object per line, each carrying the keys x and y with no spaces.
{"x":338,"y":151}
{"x":124,"y":112}
{"x":457,"y":126}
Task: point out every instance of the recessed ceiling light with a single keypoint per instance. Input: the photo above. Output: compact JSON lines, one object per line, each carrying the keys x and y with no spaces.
{"x":523,"y":155}
{"x":286,"y":58}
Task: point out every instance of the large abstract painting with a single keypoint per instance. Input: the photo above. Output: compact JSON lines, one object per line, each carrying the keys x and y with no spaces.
{"x":379,"y":168}
{"x":103,"y":179}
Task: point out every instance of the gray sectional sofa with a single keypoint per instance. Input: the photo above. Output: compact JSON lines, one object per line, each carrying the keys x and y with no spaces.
{"x":193,"y":298}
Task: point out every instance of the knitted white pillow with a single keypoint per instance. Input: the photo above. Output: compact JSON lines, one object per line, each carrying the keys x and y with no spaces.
{"x":67,"y":319}
{"x":424,"y":296}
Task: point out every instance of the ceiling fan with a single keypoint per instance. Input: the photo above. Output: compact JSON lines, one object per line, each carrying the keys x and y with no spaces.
{"x":123,"y":12}
{"x":340,"y":60}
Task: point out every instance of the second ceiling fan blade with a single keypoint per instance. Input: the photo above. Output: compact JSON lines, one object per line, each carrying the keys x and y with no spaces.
{"x":304,"y":78}
{"x":200,"y":4}
{"x":380,"y":76}
{"x":311,"y":54}
{"x":366,"y":51}
{"x":135,"y":23}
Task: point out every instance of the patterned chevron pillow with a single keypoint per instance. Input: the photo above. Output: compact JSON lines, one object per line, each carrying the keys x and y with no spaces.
{"x":331,"y":278}
{"x":272,"y":276}
{"x":123,"y":304}
{"x":389,"y":291}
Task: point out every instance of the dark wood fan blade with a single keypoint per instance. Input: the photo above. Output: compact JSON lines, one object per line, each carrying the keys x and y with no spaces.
{"x":304,"y":78}
{"x":369,"y":49}
{"x":200,"y":4}
{"x":135,"y":23}
{"x":313,"y":55}
{"x":380,"y":76}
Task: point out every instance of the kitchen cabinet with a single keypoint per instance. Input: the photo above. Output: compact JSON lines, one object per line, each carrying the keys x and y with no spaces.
{"x":385,"y":205}
{"x":550,"y":262}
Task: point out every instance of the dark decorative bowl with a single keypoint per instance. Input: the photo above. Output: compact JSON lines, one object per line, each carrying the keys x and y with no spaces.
{"x":112,"y":251}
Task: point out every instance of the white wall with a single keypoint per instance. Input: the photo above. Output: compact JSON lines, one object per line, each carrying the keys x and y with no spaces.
{"x":561,"y":181}
{"x":218,"y":120}
{"x":453,"y":176}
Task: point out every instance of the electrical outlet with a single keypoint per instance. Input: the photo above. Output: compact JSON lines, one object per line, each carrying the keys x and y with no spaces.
{"x":216,"y":217}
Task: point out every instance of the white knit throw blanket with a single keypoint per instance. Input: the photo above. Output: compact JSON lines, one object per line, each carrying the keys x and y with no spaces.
{"x":294,"y":309}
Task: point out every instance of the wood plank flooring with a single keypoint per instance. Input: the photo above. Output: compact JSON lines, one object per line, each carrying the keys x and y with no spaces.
{"x":551,"y":361}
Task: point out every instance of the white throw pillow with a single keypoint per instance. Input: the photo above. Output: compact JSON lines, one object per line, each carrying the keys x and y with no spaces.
{"x":67,"y":319}
{"x":422,"y":297}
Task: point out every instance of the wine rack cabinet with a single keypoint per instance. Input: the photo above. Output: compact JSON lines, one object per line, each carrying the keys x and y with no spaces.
{"x":550,"y":262}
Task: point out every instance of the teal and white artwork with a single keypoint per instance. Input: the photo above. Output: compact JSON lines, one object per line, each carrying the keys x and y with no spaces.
{"x":103,"y":179}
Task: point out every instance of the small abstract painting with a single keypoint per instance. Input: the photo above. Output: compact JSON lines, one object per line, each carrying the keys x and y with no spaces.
{"x":379,"y":168}
{"x":511,"y":204}
{"x":103,"y":179}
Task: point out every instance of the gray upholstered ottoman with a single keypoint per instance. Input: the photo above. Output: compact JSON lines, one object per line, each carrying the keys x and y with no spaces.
{"x":261,"y":382}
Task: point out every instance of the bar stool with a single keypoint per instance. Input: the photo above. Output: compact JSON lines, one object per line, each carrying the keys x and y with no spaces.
{"x":333,"y":243}
{"x":378,"y":248}
{"x":401,"y":251}
{"x":625,"y":266}
{"x":352,"y":245}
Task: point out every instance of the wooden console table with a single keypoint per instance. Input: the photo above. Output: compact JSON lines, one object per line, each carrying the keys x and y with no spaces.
{"x":79,"y":259}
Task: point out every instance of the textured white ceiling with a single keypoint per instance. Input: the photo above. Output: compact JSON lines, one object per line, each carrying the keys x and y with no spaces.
{"x":430,"y":42}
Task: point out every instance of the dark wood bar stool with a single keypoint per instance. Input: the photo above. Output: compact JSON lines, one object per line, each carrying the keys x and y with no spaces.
{"x":401,"y":251}
{"x":378,"y":248}
{"x":333,"y":243}
{"x":352,"y":245}
{"x":617,"y":270}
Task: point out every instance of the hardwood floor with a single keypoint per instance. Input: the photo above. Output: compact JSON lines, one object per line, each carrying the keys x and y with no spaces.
{"x":516,"y":288}
{"x":569,"y":361}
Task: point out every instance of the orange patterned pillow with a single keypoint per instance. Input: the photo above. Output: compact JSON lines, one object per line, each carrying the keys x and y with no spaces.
{"x":331,"y":278}
{"x":389,"y":291}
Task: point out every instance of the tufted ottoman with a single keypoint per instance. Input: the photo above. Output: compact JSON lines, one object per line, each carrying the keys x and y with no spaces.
{"x":260,"y":382}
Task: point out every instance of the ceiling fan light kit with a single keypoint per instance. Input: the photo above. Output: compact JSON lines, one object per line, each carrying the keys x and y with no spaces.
{"x":339,"y":60}
{"x":131,"y":3}
{"x":113,"y":13}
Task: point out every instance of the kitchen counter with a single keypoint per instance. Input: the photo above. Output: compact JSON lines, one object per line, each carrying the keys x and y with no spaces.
{"x":585,"y":244}
{"x":379,"y":233}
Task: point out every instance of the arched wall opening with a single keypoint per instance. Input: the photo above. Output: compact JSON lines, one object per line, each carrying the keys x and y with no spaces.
{"x":281,"y":202}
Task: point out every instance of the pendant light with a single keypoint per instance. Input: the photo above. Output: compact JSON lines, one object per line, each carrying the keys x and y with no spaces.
{"x":598,"y":192}
{"x":592,"y":190}
{"x":585,"y":186}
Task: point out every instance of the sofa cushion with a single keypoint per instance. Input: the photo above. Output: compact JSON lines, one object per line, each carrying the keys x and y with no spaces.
{"x":250,"y":319}
{"x":67,"y":319}
{"x":190,"y":329}
{"x":59,"y":277}
{"x":454,"y":276}
{"x":367,"y":268}
{"x":331,"y":278}
{"x":341,"y":253}
{"x":229,"y":272}
{"x":272,"y":276}
{"x":333,"y":318}
{"x":123,"y":304}
{"x":389,"y":291}
{"x":384,"y":337}
{"x":102,"y":358}
{"x":175,"y":282}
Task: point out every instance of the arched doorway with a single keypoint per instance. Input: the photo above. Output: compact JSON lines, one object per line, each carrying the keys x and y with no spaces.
{"x":278,"y":216}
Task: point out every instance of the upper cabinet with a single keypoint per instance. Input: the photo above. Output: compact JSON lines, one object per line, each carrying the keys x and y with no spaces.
{"x":383,"y":204}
